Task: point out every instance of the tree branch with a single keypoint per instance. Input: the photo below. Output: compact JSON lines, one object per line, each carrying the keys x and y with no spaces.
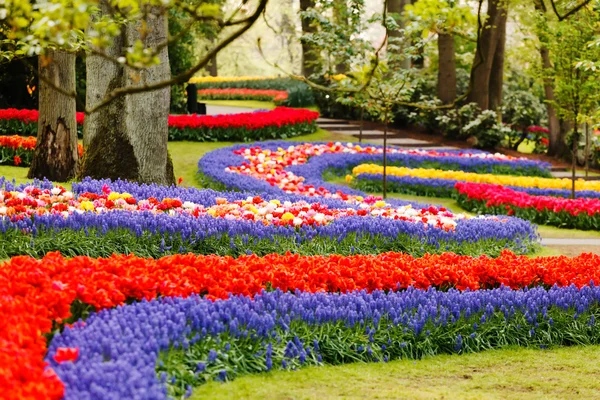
{"x":571,"y":11}
{"x":186,"y":75}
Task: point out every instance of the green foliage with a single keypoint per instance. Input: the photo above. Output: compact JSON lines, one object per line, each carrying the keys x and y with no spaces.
{"x":522,"y":109}
{"x":336,"y":24}
{"x":441,"y":16}
{"x":480,"y":128}
{"x":574,"y":52}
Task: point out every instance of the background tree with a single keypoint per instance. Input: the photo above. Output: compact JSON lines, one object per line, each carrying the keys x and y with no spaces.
{"x":576,"y":87}
{"x":56,"y":154}
{"x":488,"y":66}
{"x":310,"y":55}
{"x":444,"y":18}
{"x":398,"y":39}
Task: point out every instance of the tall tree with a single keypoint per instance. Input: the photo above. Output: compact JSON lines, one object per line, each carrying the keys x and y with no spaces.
{"x":558,"y":129}
{"x":444,"y":18}
{"x":446,"y":83}
{"x":310,"y":56}
{"x":497,"y":67}
{"x":56,"y":156}
{"x":127,"y":139}
{"x":488,"y":65}
{"x":397,"y":36}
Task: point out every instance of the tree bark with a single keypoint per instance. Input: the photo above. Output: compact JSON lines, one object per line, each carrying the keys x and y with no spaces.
{"x":481,"y":70}
{"x":56,"y":155}
{"x":397,"y":7}
{"x":497,"y":69}
{"x":128,"y":138}
{"x":446,"y":84}
{"x":212,"y":67}
{"x":310,"y":58}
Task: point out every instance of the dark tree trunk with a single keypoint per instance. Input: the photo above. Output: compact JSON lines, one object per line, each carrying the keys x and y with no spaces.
{"x":481,"y":72}
{"x":446,"y":84}
{"x":310,"y":57}
{"x":340,"y":11}
{"x":128,"y":138}
{"x":56,"y":156}
{"x":497,"y":71}
{"x":212,"y":66}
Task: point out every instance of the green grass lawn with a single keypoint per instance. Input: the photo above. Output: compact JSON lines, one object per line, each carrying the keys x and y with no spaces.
{"x":514,"y":373}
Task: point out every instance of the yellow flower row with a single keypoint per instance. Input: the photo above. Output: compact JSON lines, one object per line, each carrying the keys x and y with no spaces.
{"x":506,"y":180}
{"x":205,"y":79}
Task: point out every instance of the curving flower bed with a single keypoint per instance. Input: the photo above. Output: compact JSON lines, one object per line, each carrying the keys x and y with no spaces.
{"x":276,"y":167}
{"x":279,"y":123}
{"x":224,"y":338}
{"x":276,"y":96}
{"x":102,"y":217}
{"x":579,"y":213}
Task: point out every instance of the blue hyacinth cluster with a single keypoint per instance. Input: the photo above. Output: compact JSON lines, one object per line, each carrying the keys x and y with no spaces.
{"x":152,"y":349}
{"x":167,"y":234}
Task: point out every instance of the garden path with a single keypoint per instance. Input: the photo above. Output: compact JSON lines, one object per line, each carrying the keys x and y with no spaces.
{"x":212,"y":109}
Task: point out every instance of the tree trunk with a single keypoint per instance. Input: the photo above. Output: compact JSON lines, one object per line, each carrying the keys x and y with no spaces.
{"x":340,"y":12}
{"x":497,"y":71}
{"x":558,"y":129}
{"x":397,"y":7}
{"x":481,"y":70}
{"x":310,"y":57}
{"x":56,"y":156}
{"x":128,"y":138}
{"x":446,"y":84}
{"x":212,"y":66}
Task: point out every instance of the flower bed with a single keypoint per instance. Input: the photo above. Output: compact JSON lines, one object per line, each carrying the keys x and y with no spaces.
{"x":101,"y":217}
{"x":441,"y":183}
{"x":18,"y":150}
{"x":517,"y":181}
{"x":579,"y":213}
{"x":278,"y":167}
{"x":272,"y":330}
{"x":281,"y":122}
{"x":299,"y":94}
{"x":276,"y":96}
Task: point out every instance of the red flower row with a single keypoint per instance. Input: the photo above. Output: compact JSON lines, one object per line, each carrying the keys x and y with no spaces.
{"x":255,"y":120}
{"x":498,"y":195}
{"x":278,"y":117}
{"x":244,"y":94}
{"x":36,"y":293}
{"x":29,"y":116}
